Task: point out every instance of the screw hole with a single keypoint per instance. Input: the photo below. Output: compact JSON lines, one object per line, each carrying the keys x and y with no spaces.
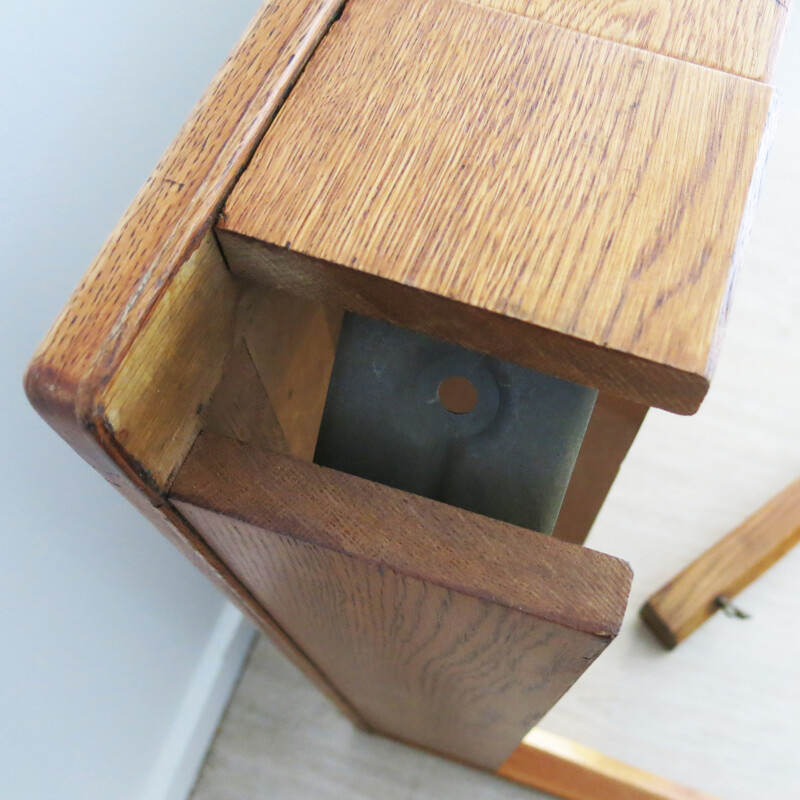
{"x":458,"y":395}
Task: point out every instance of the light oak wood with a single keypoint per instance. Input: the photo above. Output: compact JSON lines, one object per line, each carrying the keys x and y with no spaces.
{"x":688,"y":600}
{"x":612,"y":428}
{"x":723,"y":716}
{"x":152,"y":401}
{"x":122,"y":403}
{"x":547,"y":197}
{"x":158,"y":336}
{"x":441,"y":627}
{"x":738,"y":36}
{"x":564,"y":768}
{"x":172,"y":212}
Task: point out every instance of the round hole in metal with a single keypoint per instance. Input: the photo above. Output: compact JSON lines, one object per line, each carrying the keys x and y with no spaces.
{"x":457,"y":394}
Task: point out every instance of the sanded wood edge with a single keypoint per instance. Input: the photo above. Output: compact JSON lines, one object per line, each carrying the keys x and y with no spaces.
{"x":611,"y":431}
{"x":460,"y":550}
{"x":636,"y":379}
{"x":689,"y":599}
{"x":564,"y":768}
{"x":169,"y":218}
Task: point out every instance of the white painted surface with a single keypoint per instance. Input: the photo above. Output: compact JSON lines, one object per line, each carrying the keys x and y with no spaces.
{"x":722,"y":712}
{"x":204,"y":701}
{"x":102,"y":623}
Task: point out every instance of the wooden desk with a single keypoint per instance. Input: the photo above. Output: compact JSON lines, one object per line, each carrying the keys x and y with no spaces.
{"x":563,"y":192}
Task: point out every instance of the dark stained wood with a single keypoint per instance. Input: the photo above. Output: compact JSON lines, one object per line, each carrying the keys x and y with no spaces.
{"x":544,"y":196}
{"x":441,"y":627}
{"x":612,"y":428}
{"x":688,"y":600}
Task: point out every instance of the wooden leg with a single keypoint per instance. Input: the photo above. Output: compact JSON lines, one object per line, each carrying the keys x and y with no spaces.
{"x":563,"y":768}
{"x":612,"y":429}
{"x":414,"y":610}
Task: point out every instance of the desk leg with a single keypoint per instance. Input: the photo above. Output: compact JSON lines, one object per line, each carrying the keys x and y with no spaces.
{"x":611,"y":431}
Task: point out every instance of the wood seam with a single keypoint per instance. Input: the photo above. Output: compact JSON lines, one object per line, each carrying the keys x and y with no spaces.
{"x":45,"y":384}
{"x":245,"y":600}
{"x":597,"y":37}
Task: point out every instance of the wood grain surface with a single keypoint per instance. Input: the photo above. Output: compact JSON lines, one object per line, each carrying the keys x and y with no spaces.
{"x":240,"y":407}
{"x":567,"y":769}
{"x":738,"y":36}
{"x":441,"y":627}
{"x":719,"y":713}
{"x":153,"y":399}
{"x":292,"y":343}
{"x":688,"y":600}
{"x":551,"y":198}
{"x":169,"y":217}
{"x":612,"y":428}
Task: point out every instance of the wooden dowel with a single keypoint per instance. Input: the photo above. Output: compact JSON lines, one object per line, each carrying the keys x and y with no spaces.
{"x":722,"y":571}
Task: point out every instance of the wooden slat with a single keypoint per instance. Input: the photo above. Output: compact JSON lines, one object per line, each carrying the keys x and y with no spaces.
{"x":688,"y":600}
{"x":737,"y":36}
{"x":441,"y":627}
{"x":564,"y":768}
{"x":551,"y":198}
{"x":612,"y":428}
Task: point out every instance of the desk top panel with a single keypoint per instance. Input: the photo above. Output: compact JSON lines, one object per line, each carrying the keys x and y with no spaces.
{"x":568,"y":184}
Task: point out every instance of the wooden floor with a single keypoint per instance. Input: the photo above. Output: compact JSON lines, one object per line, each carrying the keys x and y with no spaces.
{"x":720,"y":712}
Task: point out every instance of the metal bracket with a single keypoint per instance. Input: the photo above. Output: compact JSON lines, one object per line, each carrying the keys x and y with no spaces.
{"x":508,"y":455}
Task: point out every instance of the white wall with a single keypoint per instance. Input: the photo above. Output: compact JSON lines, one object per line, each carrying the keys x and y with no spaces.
{"x":102,"y":624}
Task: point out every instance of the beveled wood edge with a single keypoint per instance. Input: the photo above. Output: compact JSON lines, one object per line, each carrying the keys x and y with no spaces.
{"x":82,"y":351}
{"x":633,"y":378}
{"x":277,"y":493}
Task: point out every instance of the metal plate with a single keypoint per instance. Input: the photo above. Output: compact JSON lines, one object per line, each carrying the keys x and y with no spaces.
{"x":509,"y":458}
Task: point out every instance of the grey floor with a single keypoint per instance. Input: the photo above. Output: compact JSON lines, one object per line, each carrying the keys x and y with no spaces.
{"x":281,"y":740}
{"x":720,"y":713}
